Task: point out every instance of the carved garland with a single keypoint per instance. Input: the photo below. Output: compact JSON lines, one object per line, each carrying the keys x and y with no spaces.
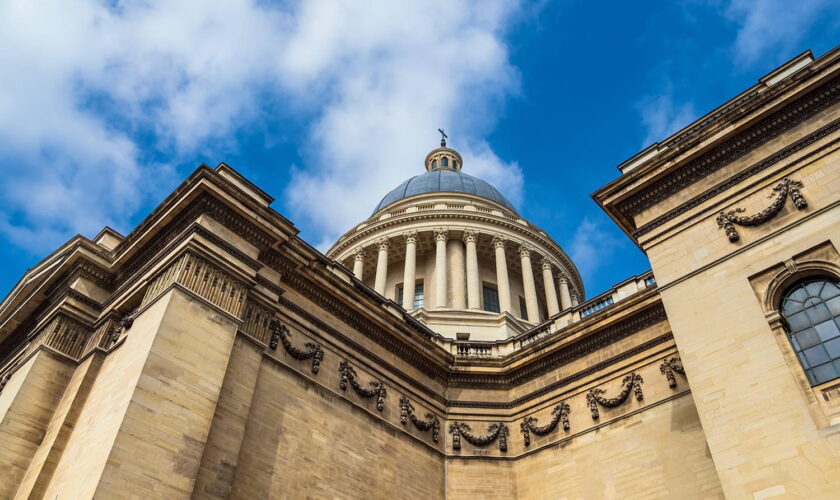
{"x":727,"y":220}
{"x":431,"y":422}
{"x":348,"y":374}
{"x":494,"y":431}
{"x":632,"y":382}
{"x":668,"y":367}
{"x":313,"y":351}
{"x":124,"y":324}
{"x":559,"y":413}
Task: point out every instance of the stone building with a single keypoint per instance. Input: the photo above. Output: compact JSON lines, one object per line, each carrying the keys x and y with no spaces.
{"x":445,"y":346}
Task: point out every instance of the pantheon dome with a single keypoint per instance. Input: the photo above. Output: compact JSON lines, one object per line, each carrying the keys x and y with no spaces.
{"x":479,"y":270}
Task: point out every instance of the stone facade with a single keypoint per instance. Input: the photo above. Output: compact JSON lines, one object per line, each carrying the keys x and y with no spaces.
{"x":211,"y":353}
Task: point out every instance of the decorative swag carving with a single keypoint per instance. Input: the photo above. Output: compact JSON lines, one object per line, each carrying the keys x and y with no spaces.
{"x":431,"y":422}
{"x":313,"y":351}
{"x":124,"y":324}
{"x":728,"y":219}
{"x":632,"y":382}
{"x":559,"y":413}
{"x":348,"y":374}
{"x":494,"y":431}
{"x":668,"y":367}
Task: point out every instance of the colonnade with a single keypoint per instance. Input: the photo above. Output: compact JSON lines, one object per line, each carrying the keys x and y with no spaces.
{"x":456,"y":265}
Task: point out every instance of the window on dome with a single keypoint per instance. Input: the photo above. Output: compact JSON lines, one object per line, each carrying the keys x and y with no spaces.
{"x":523,"y":309}
{"x":418,"y":295}
{"x":811,"y":310}
{"x":491,"y":299}
{"x":444,"y":162}
{"x":434,"y":164}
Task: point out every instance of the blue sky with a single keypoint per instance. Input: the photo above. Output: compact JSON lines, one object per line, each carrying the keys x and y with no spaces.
{"x":107,"y":106}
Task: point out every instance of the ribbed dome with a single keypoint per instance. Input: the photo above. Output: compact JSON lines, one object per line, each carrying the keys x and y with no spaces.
{"x":444,"y":180}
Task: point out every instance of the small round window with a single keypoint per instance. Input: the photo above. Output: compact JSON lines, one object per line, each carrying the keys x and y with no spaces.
{"x":812,"y":311}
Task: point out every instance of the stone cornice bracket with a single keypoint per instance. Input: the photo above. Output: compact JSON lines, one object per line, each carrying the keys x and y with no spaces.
{"x":313,"y":351}
{"x":558,"y":414}
{"x":383,"y":244}
{"x":441,"y":234}
{"x":525,"y":250}
{"x":499,"y":241}
{"x":494,"y":431}
{"x":632,"y":382}
{"x":359,"y":254}
{"x":668,"y":367}
{"x":407,"y":413}
{"x":410,"y":238}
{"x":124,"y":324}
{"x":728,"y":219}
{"x":470,"y":236}
{"x":348,"y":375}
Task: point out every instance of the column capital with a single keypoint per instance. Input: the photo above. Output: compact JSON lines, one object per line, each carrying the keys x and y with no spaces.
{"x":525,"y":250}
{"x":383,"y":244}
{"x":470,"y":236}
{"x":499,"y":241}
{"x":562,"y":279}
{"x":546,"y":263}
{"x":410,"y":237}
{"x":441,"y":234}
{"x":574,"y":294}
{"x":359,"y":254}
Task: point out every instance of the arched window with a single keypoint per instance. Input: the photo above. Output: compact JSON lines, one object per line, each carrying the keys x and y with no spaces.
{"x":434,"y":164}
{"x":812,"y":311}
{"x":444,"y":162}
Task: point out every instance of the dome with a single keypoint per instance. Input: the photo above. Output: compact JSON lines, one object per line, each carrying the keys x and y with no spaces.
{"x":444,"y":180}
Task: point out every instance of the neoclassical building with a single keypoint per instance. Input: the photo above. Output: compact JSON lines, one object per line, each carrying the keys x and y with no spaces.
{"x":446,"y":347}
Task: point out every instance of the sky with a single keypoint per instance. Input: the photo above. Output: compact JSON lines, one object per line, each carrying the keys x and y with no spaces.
{"x":105,"y":107}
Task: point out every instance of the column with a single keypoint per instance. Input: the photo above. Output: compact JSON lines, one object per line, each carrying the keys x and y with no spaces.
{"x":473,"y":283}
{"x":410,"y":270}
{"x":359,"y":263}
{"x":502,"y":274}
{"x":441,"y":235}
{"x":528,"y":284}
{"x":565,"y":298}
{"x":381,"y":265}
{"x":457,"y":278}
{"x":575,"y":298}
{"x":550,"y":293}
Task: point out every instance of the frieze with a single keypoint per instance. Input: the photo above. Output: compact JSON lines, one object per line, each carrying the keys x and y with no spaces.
{"x":497,"y":431}
{"x":313,"y":351}
{"x":728,"y":219}
{"x":430,"y":423}
{"x":670,"y":366}
{"x":269,"y":285}
{"x":560,"y":413}
{"x":749,"y":172}
{"x":631,"y":383}
{"x":733,"y":148}
{"x":377,"y":389}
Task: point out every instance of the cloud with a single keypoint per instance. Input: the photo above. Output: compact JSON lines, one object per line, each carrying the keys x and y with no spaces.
{"x":592,"y":246}
{"x":661,"y":116}
{"x":775,"y":25}
{"x":102,"y":100}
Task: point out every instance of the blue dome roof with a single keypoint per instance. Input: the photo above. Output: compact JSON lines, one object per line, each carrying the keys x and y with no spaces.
{"x":444,"y":180}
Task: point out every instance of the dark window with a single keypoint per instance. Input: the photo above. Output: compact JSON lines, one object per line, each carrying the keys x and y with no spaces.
{"x":399,"y":294}
{"x":491,"y":299}
{"x":812,"y":311}
{"x":523,"y":309}
{"x":434,"y":164}
{"x":418,"y":295}
{"x":444,"y":162}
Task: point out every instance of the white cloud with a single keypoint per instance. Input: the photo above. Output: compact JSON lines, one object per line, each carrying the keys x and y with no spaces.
{"x":90,"y":87}
{"x":592,"y":246}
{"x":661,"y":116}
{"x":779,"y":25}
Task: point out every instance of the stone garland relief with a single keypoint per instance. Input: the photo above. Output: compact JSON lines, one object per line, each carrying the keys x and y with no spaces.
{"x":558,"y":414}
{"x":348,"y":375}
{"x":407,"y":413}
{"x":728,"y":219}
{"x":632,"y":382}
{"x":313,"y":351}
{"x":668,"y":367}
{"x":124,"y":324}
{"x":494,"y":431}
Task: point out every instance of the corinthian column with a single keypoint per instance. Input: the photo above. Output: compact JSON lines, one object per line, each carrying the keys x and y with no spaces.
{"x":441,"y":236}
{"x":359,"y":263}
{"x":502,"y":274}
{"x":575,"y":298}
{"x":565,"y":298}
{"x":473,"y":284}
{"x":528,"y":284}
{"x":381,"y":265}
{"x":455,"y":254}
{"x":550,"y":294}
{"x":410,"y":270}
